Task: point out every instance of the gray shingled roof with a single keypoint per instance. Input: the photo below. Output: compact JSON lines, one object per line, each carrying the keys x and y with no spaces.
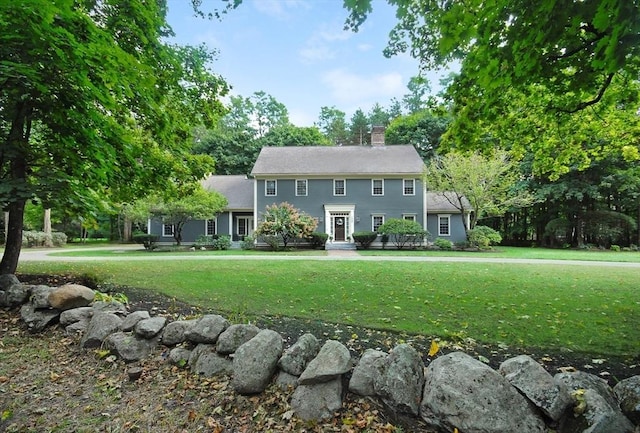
{"x":343,"y":161}
{"x":237,"y":189}
{"x":438,"y":202}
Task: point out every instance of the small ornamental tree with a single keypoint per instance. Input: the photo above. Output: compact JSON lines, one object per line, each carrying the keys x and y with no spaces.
{"x":190,"y":203}
{"x":403,"y":232}
{"x":282,"y":223}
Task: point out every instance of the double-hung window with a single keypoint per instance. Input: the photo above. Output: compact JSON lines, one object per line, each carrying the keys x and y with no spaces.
{"x":339,"y":187}
{"x":377,"y":186}
{"x":271,"y":187}
{"x":301,"y":187}
{"x":167,"y":229}
{"x":210,"y":227}
{"x":444,"y":225}
{"x":409,"y":217}
{"x":408,"y":187}
{"x":376,"y":222}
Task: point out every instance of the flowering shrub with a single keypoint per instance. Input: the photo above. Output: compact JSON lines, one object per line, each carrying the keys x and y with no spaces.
{"x":282,"y":223}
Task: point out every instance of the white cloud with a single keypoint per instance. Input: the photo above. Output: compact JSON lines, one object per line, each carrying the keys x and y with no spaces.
{"x":280,"y":9}
{"x":320,"y":44}
{"x":316,"y":53}
{"x":353,"y":89}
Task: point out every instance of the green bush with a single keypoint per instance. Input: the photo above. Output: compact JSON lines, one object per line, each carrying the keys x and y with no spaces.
{"x":364,"y":239}
{"x":248,"y":243}
{"x":318,"y":239}
{"x":206,"y":241}
{"x":59,"y":239}
{"x":149,"y":241}
{"x":403,"y":232}
{"x":222,"y":242}
{"x":483,"y":237}
{"x":443,"y":244}
{"x":615,"y":247}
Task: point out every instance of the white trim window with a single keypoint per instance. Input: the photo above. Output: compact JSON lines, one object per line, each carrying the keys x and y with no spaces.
{"x":409,"y":216}
{"x":270,"y":187}
{"x":408,"y":187}
{"x":376,"y":222}
{"x":377,"y":187}
{"x":339,"y":187}
{"x":211,"y":227}
{"x":167,"y":230}
{"x":301,"y":187}
{"x":243,"y":226}
{"x":444,"y":225}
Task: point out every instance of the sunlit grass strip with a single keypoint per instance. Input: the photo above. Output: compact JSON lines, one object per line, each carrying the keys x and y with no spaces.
{"x":590,"y":309}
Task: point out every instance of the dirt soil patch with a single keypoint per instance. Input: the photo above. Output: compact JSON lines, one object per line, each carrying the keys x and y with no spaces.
{"x":48,"y":383}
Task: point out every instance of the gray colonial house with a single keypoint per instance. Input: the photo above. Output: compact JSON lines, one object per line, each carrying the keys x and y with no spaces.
{"x":346,"y":188}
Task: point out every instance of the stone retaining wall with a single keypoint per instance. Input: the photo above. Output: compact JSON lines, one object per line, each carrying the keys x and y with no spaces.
{"x":455,"y":391}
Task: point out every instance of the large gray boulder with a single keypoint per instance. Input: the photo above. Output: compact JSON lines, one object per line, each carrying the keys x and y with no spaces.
{"x":38,"y":319}
{"x":114,"y":307}
{"x":596,"y":409}
{"x":13,"y":296}
{"x":627,"y":392}
{"x":464,"y":393}
{"x":198,"y":351}
{"x":100,"y":327}
{"x":532,"y":380}
{"x":8,"y":280}
{"x":401,"y":381}
{"x":68,"y":317}
{"x":370,"y":367}
{"x":255,"y":362}
{"x":318,"y":401}
{"x":332,"y":361}
{"x":210,"y":364}
{"x":132,"y":319}
{"x":176,"y":332}
{"x":19,"y":294}
{"x":235,"y":336}
{"x":179,"y":356}
{"x":295,"y":359}
{"x":129,"y":347}
{"x":39,"y":296}
{"x":71,"y":296}
{"x":207,"y":329}
{"x":150,"y":328}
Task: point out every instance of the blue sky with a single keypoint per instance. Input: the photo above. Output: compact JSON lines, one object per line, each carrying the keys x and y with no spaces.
{"x":298,"y":52}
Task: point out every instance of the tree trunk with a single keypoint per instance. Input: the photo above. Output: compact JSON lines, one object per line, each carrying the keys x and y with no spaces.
{"x":126,"y":235}
{"x":6,"y":225}
{"x":12,"y":248}
{"x":47,"y":228}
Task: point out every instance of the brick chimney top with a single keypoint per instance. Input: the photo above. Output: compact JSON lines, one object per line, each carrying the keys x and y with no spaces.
{"x":377,"y":136}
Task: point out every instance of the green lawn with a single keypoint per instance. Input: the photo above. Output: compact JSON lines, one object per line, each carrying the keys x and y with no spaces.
{"x":584,"y":308}
{"x":498,"y":252}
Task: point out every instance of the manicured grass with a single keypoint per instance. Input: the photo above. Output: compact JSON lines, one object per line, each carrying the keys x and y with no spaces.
{"x":498,"y":252}
{"x":522,"y":253}
{"x":583,"y":308}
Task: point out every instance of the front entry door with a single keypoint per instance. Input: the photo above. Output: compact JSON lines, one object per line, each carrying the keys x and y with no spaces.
{"x":339,"y":228}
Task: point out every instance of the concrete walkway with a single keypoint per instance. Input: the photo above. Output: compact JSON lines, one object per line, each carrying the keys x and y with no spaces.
{"x":45,"y":255}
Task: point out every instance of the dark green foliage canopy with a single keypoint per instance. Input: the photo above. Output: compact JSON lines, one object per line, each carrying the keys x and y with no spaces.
{"x":94,"y":107}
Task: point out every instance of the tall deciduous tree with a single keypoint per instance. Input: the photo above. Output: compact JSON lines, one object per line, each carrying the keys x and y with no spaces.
{"x":576,"y":48}
{"x":488,"y":183}
{"x":94,"y":107}
{"x":422,"y":129}
{"x":333,"y":125}
{"x":577,"y":53}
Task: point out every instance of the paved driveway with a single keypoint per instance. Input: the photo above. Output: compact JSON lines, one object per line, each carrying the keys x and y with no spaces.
{"x":46,"y":255}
